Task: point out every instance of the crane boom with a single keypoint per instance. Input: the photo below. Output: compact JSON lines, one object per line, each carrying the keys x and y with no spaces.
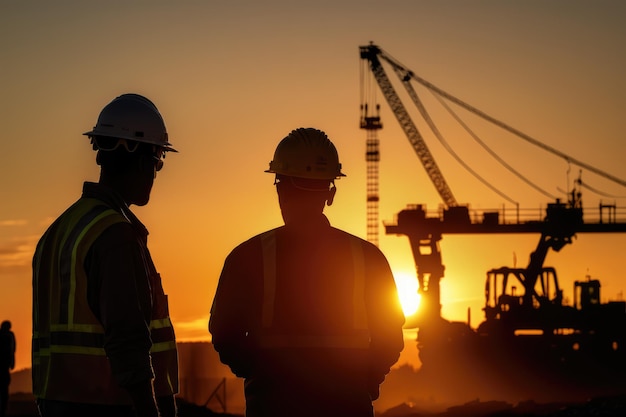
{"x":371,"y":53}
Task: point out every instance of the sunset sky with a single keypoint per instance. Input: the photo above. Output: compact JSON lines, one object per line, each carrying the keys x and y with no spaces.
{"x":232,"y":78}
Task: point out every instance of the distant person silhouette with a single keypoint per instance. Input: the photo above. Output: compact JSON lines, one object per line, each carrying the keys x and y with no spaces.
{"x":7,"y":363}
{"x":308,"y":314}
{"x":103,"y":343}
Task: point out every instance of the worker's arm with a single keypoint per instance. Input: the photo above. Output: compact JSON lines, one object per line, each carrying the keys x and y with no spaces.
{"x":234,"y":307}
{"x":142,"y":397}
{"x":167,"y":406}
{"x":385,"y":318}
{"x":119,"y":296}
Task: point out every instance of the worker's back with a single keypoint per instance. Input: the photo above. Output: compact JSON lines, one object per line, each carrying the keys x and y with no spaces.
{"x":306,"y":313}
{"x":323,"y":332}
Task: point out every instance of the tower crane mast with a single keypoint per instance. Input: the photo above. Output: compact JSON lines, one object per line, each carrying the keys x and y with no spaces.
{"x":372,"y":123}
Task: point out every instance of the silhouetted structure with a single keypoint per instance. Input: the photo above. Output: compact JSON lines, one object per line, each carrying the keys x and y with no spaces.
{"x":205,"y":381}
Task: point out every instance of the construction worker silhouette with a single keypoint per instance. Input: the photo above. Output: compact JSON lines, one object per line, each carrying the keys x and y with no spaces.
{"x":103,"y":343}
{"x":7,"y":363}
{"x":308,"y":314}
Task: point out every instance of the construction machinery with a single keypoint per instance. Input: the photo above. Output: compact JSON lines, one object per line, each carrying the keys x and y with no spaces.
{"x":519,"y":302}
{"x":527,"y":327}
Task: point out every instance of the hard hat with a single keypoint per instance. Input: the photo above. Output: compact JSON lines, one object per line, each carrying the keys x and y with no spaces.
{"x":306,"y":153}
{"x":132,"y":117}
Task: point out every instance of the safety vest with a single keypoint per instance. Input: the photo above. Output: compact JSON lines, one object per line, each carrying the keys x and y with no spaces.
{"x":357,"y":337}
{"x":68,"y":357}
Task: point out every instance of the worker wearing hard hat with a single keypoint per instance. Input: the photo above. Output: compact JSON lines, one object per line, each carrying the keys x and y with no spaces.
{"x":308,"y":314}
{"x":103,"y":343}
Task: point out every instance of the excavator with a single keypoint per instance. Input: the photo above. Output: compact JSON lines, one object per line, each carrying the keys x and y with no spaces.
{"x":528,"y":302}
{"x":529,"y":339}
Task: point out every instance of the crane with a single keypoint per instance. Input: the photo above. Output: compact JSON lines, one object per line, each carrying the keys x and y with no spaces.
{"x":530,"y":332}
{"x":562,"y":222}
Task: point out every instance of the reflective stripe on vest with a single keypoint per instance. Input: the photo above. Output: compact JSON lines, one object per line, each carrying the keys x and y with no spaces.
{"x":64,"y":328}
{"x":73,"y":328}
{"x":357,"y":338}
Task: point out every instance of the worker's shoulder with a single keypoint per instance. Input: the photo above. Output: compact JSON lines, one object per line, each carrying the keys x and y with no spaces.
{"x":255,"y":241}
{"x":104,"y":220}
{"x":89,"y":209}
{"x":368,"y":247}
{"x":85,"y":212}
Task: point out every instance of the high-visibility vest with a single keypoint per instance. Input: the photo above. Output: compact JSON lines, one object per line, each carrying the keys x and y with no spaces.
{"x":68,"y":357}
{"x":357,"y":337}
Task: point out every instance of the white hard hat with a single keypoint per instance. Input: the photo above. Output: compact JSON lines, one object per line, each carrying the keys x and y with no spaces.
{"x":132,"y":117}
{"x":306,"y":153}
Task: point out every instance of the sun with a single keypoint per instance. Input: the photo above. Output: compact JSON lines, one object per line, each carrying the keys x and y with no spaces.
{"x":407,"y":291}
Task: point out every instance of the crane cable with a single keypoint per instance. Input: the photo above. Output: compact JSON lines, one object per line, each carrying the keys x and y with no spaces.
{"x":489,"y":150}
{"x":410,"y":74}
{"x":431,"y":124}
{"x":598,"y":192}
{"x":514,"y":131}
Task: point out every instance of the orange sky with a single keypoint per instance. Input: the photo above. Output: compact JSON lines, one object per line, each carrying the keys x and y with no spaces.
{"x":232,"y":78}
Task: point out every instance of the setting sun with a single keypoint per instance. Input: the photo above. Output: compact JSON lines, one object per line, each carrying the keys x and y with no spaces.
{"x":407,"y":291}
